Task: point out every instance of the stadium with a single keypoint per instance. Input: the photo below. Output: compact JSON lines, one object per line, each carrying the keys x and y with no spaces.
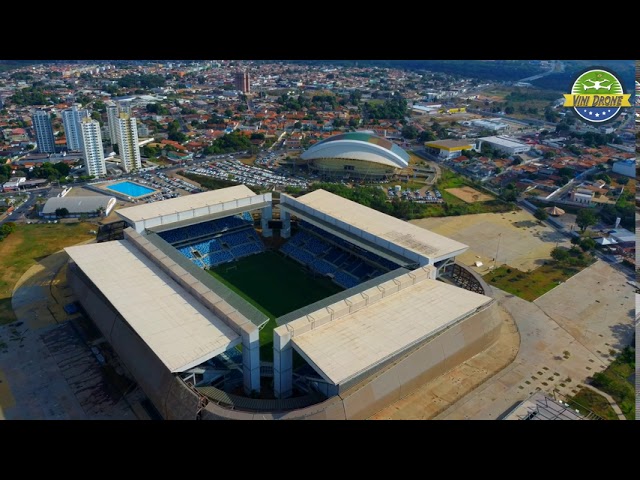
{"x":230,"y":305}
{"x":357,"y":155}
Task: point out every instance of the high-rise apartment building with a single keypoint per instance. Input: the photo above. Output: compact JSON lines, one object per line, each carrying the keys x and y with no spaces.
{"x":112,"y":122}
{"x":127,"y":134}
{"x":44,"y":132}
{"x":92,"y":147}
{"x":71,"y":118}
{"x":242,"y":82}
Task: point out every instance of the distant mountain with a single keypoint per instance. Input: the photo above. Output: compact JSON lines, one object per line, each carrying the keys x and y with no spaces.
{"x":625,"y":69}
{"x":7,"y":65}
{"x":496,"y":70}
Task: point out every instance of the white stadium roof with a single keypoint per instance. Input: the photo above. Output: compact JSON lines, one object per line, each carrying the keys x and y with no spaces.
{"x":359,"y":146}
{"x":343,"y":348}
{"x":391,"y":229}
{"x":175,"y":325}
{"x":185,"y":203}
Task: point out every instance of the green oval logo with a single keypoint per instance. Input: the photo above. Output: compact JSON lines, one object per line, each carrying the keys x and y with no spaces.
{"x":597,"y":96}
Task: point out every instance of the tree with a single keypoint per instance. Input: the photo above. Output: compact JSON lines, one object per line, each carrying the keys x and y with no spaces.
{"x":509,"y":110}
{"x":486,"y":150}
{"x":567,"y":172}
{"x":7,"y":228}
{"x":61,"y":212}
{"x":409,"y":132}
{"x":587,"y":244}
{"x":586,"y":218}
{"x":509,"y":193}
{"x":559,"y":254}
{"x":541,"y":214}
{"x":426,"y":136}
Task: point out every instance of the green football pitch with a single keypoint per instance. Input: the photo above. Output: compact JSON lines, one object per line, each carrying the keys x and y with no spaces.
{"x":274,"y":284}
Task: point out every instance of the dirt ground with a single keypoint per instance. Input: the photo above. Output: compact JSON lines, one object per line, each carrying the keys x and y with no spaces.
{"x":469,"y":195}
{"x":434,"y":397}
{"x":513,"y":238}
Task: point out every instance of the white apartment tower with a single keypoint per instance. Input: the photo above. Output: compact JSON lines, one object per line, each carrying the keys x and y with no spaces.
{"x":92,"y":147}
{"x":44,"y":132}
{"x":71,"y":118}
{"x":113,"y":114}
{"x":127,"y":134}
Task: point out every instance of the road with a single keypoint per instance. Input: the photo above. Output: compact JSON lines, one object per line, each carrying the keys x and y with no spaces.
{"x":19,"y":214}
{"x":556,"y":66}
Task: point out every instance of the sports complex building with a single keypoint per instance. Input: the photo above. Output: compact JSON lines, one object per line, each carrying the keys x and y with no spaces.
{"x":358,"y":155}
{"x":228,"y":305}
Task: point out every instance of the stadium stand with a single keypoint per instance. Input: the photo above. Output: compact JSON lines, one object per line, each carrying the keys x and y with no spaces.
{"x":345,"y":263}
{"x":233,"y":239}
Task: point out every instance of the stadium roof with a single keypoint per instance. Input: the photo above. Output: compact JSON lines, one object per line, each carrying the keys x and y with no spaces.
{"x":183,"y":204}
{"x":175,"y":325}
{"x":396,"y":231}
{"x":359,"y":146}
{"x":343,"y":348}
{"x":78,"y":205}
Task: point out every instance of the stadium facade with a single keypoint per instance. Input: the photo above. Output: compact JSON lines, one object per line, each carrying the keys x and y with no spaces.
{"x":400,"y":319}
{"x":359,"y":155}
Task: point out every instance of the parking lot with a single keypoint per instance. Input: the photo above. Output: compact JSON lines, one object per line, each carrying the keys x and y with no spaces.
{"x":428,"y":196}
{"x":234,"y":170}
{"x":168,"y":186}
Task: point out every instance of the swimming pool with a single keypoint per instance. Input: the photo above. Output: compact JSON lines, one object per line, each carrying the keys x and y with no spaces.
{"x":131,"y":189}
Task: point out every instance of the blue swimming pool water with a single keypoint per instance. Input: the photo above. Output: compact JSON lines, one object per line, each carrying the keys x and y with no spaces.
{"x":131,"y":189}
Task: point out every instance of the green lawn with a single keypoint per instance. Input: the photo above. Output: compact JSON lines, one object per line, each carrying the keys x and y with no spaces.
{"x":450,"y":179}
{"x":614,"y":380}
{"x":590,"y":400}
{"x":25,"y":246}
{"x":529,"y":285}
{"x":274,"y":284}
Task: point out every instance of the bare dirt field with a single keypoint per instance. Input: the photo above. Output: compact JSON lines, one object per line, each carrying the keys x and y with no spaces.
{"x":469,"y":195}
{"x":512,"y":238}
